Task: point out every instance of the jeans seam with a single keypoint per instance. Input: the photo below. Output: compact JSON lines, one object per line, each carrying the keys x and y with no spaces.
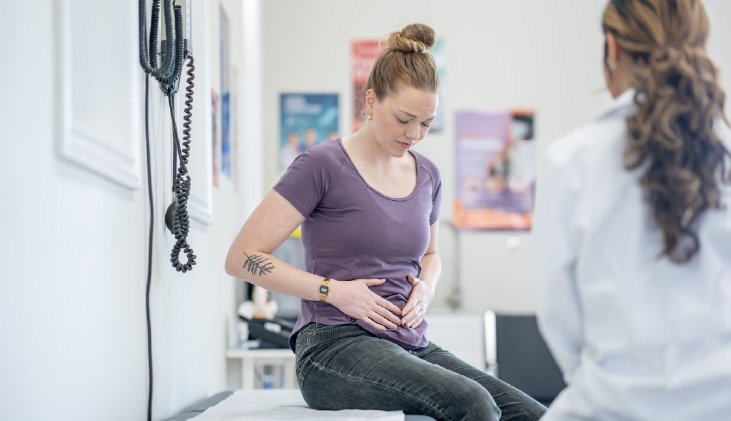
{"x":434,"y":406}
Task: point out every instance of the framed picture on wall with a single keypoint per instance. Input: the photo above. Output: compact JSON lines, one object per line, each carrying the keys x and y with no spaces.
{"x":365,"y":54}
{"x":495,"y":169}
{"x":225,"y":94}
{"x":306,"y":120}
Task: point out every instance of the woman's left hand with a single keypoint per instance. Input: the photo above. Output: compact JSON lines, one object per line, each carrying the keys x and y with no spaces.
{"x":421,"y":295}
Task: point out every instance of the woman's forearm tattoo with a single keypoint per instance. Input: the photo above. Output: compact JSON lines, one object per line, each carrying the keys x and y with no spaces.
{"x":257,"y":265}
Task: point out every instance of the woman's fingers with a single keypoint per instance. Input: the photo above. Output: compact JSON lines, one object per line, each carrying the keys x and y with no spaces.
{"x":378,"y":281}
{"x":374,"y":324}
{"x":413,"y":280}
{"x":378,"y":311}
{"x":416,"y":321}
{"x":391,"y":307}
{"x":383,"y":321}
{"x":410,"y":306}
{"x":387,"y":318}
{"x":413,"y":317}
{"x":380,"y":300}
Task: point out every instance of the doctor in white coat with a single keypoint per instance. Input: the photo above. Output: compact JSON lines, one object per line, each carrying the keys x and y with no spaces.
{"x":633,"y":230}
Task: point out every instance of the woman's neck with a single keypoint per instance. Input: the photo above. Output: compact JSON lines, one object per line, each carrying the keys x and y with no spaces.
{"x":362,"y":146}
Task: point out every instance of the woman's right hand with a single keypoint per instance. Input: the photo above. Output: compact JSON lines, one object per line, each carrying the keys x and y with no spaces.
{"x":355,"y":299}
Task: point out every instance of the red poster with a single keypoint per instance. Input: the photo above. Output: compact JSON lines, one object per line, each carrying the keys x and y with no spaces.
{"x":365,"y":54}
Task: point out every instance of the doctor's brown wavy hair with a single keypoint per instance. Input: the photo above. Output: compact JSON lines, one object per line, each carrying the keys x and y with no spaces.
{"x":679,"y":101}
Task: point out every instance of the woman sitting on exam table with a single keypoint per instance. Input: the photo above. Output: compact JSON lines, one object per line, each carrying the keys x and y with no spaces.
{"x":633,"y":230}
{"x":369,"y":209}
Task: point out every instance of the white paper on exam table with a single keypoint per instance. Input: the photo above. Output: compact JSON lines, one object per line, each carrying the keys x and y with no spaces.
{"x":281,"y":405}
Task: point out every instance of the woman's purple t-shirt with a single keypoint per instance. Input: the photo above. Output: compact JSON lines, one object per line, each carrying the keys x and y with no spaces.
{"x":352,"y":231}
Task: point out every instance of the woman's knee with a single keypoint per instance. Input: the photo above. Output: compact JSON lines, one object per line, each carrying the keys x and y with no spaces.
{"x":472,"y":402}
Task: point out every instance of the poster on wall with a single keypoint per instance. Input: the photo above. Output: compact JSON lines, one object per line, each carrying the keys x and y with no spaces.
{"x":234,"y":128}
{"x":365,"y":54}
{"x":214,"y":137}
{"x":440,"y":60}
{"x":495,"y":169}
{"x":306,"y":120}
{"x":225,"y":95}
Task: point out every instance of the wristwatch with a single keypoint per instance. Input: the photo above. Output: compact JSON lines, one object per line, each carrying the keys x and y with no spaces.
{"x":324,"y":289}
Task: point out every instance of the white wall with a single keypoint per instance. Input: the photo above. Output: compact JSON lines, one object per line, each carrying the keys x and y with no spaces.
{"x":73,"y":243}
{"x":523,"y":53}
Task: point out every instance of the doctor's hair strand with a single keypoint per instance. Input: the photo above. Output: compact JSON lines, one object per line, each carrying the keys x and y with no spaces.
{"x":679,"y":99}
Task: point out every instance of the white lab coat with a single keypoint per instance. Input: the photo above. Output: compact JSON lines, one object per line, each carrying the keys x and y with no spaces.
{"x":636,"y":337}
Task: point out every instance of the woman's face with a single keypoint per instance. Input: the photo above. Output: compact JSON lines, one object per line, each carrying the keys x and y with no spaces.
{"x":402,"y":119}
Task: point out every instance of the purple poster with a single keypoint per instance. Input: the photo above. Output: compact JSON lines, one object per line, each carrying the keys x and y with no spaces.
{"x":495,"y":169}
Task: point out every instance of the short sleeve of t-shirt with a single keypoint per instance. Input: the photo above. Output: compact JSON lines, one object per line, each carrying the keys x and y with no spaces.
{"x":436,"y":179}
{"x":308,"y":179}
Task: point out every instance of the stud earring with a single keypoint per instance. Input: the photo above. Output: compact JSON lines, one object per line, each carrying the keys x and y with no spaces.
{"x":370,"y":117}
{"x":612,"y":65}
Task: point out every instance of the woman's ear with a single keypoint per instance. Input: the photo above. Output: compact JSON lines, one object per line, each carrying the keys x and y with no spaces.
{"x":370,"y":101}
{"x":612,"y":51}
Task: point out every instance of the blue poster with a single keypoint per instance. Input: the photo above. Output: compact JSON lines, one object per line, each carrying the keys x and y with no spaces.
{"x":306,"y":120}
{"x":225,"y":97}
{"x":226,"y":134}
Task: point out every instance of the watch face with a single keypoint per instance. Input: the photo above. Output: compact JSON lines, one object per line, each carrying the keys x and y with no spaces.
{"x":324,"y":289}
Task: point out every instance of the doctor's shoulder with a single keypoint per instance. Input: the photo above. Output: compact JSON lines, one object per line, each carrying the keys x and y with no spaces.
{"x":598,"y":139}
{"x":724,"y":133}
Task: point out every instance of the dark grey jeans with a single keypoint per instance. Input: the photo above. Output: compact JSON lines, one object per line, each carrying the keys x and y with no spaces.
{"x":346,"y":367}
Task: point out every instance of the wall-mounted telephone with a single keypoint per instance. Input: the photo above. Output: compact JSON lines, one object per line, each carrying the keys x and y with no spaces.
{"x":174,"y":50}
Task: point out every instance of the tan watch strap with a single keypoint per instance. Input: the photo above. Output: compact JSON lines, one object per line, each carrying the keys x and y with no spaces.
{"x":324,"y":289}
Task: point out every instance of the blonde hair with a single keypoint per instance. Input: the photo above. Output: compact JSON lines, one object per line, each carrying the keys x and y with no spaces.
{"x":405,"y":62}
{"x":679,"y":100}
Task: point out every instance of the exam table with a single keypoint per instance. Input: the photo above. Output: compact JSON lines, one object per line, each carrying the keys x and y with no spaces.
{"x":512,"y":344}
{"x":280,"y":405}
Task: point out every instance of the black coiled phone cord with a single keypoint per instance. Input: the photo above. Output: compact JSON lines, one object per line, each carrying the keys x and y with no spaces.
{"x":168,"y":75}
{"x":181,"y":184}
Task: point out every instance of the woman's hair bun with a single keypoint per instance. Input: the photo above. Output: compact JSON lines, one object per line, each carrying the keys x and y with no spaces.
{"x":402,"y":63}
{"x":414,"y":38}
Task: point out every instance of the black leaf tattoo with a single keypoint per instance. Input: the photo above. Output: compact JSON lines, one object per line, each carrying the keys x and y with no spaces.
{"x":257,"y":265}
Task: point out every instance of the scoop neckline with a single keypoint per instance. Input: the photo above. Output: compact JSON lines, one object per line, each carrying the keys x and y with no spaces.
{"x":407,"y":197}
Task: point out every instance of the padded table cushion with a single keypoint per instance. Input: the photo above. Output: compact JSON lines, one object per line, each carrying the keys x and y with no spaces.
{"x":277,"y":404}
